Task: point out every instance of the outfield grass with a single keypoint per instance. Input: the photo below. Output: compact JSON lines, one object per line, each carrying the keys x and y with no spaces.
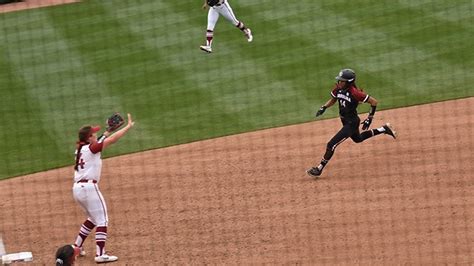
{"x":65,"y":66}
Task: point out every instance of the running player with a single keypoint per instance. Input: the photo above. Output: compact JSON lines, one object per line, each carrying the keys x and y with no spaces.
{"x":216,"y":8}
{"x":349,"y":95}
{"x":86,"y":191}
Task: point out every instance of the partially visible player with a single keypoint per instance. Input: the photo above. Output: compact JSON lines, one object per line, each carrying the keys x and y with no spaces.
{"x":66,"y":255}
{"x":86,"y":186}
{"x":348,"y":95}
{"x":216,"y":8}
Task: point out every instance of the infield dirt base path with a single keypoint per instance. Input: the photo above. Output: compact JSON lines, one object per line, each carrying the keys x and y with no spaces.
{"x":29,"y":4}
{"x":246,"y":199}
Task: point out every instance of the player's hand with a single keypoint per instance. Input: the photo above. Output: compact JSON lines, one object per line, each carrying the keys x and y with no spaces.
{"x":367,"y":122}
{"x":204,"y":6}
{"x":131,"y":123}
{"x":321,"y":111}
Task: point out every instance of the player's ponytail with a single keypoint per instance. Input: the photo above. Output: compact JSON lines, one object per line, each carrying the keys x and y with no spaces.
{"x":65,"y":255}
{"x":84,"y":134}
{"x":78,"y":154}
{"x":358,"y":88}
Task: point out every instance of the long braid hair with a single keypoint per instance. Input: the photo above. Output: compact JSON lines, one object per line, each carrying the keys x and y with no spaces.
{"x":355,"y":86}
{"x":84,"y":135}
{"x":78,"y":154}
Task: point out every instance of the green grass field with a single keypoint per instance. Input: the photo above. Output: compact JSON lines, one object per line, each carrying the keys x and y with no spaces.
{"x":65,"y":66}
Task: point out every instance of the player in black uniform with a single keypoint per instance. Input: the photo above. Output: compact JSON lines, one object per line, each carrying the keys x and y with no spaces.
{"x":349,"y":95}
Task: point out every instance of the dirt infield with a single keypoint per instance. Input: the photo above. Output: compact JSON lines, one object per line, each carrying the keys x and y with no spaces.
{"x":29,"y":4}
{"x":245,"y":198}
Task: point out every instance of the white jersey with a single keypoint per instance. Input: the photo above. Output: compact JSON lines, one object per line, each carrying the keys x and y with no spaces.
{"x":89,"y":162}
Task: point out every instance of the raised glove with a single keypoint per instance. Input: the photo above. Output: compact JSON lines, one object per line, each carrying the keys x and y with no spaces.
{"x":321,"y":111}
{"x":114,"y":122}
{"x":367,"y":122}
{"x":212,"y":2}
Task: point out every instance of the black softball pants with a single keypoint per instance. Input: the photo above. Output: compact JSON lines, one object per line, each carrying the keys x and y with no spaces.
{"x":350,"y":129}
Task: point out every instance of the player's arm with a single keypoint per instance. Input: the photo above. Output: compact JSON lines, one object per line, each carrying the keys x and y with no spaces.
{"x":323,"y":108}
{"x":365,"y":98}
{"x":118,"y":134}
{"x":373,"y":105}
{"x":204,"y":6}
{"x":102,"y":137}
{"x":329,"y":103}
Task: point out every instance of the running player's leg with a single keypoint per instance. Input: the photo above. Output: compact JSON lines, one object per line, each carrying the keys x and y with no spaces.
{"x":212,"y":17}
{"x":340,"y":137}
{"x":360,"y":137}
{"x":226,"y":11}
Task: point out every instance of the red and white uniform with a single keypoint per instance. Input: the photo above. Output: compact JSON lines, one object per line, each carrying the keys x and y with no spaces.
{"x":86,"y":178}
{"x":223,"y":8}
{"x":90,"y":163}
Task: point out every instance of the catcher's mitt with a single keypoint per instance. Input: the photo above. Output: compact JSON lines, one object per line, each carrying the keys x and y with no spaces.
{"x":212,"y":2}
{"x":114,"y":122}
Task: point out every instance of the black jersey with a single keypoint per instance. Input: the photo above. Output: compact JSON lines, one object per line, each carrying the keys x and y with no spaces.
{"x":348,"y":100}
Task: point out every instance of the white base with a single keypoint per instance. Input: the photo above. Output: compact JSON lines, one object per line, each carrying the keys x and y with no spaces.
{"x":2,"y":247}
{"x":15,"y":257}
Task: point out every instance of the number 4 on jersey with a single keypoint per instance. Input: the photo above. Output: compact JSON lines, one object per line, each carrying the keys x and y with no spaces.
{"x":80,"y":162}
{"x":342,"y":103}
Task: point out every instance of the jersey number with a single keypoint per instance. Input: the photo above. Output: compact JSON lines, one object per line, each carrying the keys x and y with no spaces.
{"x":80,"y":162}
{"x":342,"y":103}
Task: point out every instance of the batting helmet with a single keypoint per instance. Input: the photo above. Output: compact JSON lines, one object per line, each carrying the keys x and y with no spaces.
{"x":347,"y":75}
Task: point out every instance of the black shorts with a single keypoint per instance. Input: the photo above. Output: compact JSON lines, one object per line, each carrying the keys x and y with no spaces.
{"x":350,"y":129}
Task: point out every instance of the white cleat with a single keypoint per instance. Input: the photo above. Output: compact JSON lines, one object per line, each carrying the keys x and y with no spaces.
{"x":248,"y":34}
{"x":206,"y":48}
{"x":105,"y":258}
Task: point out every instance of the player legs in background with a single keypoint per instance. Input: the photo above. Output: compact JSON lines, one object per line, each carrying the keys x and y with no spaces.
{"x":212,"y":17}
{"x":225,"y":10}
